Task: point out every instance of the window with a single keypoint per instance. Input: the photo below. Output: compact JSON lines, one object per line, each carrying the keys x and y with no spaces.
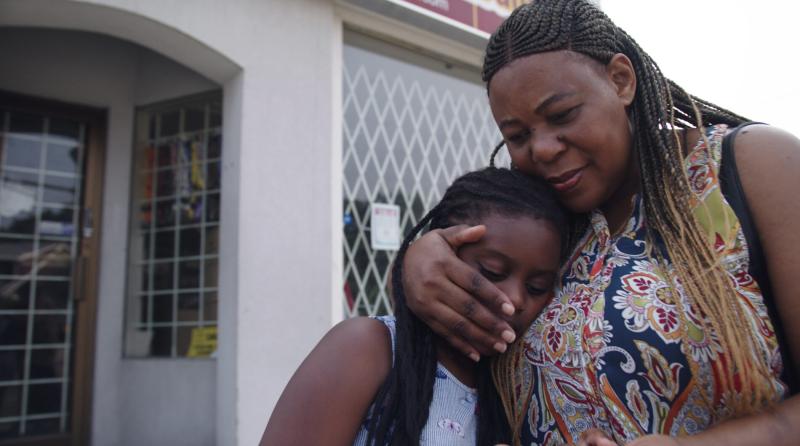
{"x":412,"y":124}
{"x":174,"y":232}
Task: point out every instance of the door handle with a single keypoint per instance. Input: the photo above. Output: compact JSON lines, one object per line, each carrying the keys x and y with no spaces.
{"x":79,"y":279}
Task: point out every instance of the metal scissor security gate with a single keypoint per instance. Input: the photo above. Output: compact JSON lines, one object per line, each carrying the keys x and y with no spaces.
{"x":411,"y":126}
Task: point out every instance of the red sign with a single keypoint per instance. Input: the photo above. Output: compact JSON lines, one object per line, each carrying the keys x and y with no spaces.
{"x":482,"y":15}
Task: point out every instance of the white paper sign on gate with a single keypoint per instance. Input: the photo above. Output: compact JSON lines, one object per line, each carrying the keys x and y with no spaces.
{"x":385,"y":226}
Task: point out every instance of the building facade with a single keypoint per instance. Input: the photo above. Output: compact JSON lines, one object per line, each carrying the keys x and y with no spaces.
{"x":191,"y":195}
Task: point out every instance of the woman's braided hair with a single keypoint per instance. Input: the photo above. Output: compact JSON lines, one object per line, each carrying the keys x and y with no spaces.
{"x":660,"y":107}
{"x":400,"y":409}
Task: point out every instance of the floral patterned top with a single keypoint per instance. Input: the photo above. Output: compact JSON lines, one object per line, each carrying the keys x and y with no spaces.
{"x":610,"y":351}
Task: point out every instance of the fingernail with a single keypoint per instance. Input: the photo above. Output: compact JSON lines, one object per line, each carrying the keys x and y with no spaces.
{"x":508,"y":309}
{"x":474,"y":356}
{"x":501,"y":347}
{"x":508,"y":336}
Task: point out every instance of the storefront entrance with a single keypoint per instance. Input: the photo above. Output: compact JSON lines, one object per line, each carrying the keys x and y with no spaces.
{"x":51,"y":158}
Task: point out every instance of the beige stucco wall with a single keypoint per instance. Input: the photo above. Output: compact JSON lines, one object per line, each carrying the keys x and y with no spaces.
{"x":278,"y":63}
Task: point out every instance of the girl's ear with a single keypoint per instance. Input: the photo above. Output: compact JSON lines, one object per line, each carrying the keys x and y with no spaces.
{"x":621,"y":73}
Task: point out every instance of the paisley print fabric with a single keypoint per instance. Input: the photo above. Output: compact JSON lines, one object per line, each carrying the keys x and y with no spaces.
{"x":612,"y":350}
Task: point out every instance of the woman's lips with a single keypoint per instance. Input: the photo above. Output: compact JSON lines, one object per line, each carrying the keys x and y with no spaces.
{"x":567,"y":180}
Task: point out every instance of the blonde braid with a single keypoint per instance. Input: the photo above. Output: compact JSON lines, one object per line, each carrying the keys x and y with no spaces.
{"x":504,"y":374}
{"x":704,"y":278}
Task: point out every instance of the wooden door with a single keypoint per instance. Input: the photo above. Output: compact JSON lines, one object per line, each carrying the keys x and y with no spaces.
{"x":51,"y":158}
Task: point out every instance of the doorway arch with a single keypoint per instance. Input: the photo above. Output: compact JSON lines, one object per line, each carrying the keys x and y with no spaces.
{"x":124,"y":24}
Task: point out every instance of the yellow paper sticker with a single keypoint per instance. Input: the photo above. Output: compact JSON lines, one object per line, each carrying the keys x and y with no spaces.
{"x":204,"y":342}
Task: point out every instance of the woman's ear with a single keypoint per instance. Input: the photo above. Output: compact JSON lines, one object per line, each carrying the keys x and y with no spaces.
{"x":621,"y":73}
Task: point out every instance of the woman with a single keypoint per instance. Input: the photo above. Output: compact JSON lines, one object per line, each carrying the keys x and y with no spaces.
{"x":659,"y":328}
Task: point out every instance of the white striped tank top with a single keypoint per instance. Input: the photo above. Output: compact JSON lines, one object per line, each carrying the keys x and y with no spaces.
{"x":451,"y":420}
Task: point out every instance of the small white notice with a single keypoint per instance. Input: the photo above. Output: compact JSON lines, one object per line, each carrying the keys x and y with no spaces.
{"x":385,"y":226}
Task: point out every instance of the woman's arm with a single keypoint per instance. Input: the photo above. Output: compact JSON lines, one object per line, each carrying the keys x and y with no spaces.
{"x":456,"y":301}
{"x":768,"y":160}
{"x":330,"y":393}
{"x":776,"y":427}
{"x":769,"y":167}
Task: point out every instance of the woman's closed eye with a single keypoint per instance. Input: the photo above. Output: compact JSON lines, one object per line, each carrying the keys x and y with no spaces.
{"x":518,"y":138}
{"x":565,"y":116}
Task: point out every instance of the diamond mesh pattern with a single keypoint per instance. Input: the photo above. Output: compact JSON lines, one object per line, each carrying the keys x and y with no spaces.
{"x":408,"y":133}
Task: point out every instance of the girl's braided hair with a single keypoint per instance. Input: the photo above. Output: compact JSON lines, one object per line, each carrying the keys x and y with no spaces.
{"x":400,"y":409}
{"x":660,"y":107}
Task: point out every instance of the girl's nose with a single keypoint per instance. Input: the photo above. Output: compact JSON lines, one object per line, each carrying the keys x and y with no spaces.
{"x":516,"y":294}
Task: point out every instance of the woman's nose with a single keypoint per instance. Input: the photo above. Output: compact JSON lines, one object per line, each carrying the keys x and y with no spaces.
{"x":546,"y":147}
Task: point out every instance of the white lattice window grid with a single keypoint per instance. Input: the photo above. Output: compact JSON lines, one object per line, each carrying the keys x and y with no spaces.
{"x":408,"y":132}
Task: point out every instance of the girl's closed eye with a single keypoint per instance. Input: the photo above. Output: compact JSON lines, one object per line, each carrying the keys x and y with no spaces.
{"x":491,"y":274}
{"x":537,"y":289}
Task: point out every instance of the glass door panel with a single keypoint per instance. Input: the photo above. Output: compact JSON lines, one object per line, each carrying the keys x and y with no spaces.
{"x":41,"y":175}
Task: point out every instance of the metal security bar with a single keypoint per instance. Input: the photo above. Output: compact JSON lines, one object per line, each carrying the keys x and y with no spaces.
{"x":412,"y":124}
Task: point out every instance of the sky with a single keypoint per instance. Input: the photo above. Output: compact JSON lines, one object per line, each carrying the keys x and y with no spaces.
{"x":740,"y":55}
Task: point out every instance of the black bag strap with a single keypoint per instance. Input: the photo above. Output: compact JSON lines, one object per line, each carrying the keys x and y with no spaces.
{"x":734,"y":193}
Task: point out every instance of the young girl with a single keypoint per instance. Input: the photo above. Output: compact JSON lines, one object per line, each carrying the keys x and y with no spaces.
{"x":391,"y":380}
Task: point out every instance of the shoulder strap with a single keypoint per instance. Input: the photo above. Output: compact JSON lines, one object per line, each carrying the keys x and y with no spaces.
{"x":391,"y":326}
{"x":734,"y":193}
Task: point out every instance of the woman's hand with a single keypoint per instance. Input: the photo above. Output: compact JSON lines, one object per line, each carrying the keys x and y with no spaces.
{"x":655,"y":440}
{"x":456,"y":301}
{"x":596,"y":437}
